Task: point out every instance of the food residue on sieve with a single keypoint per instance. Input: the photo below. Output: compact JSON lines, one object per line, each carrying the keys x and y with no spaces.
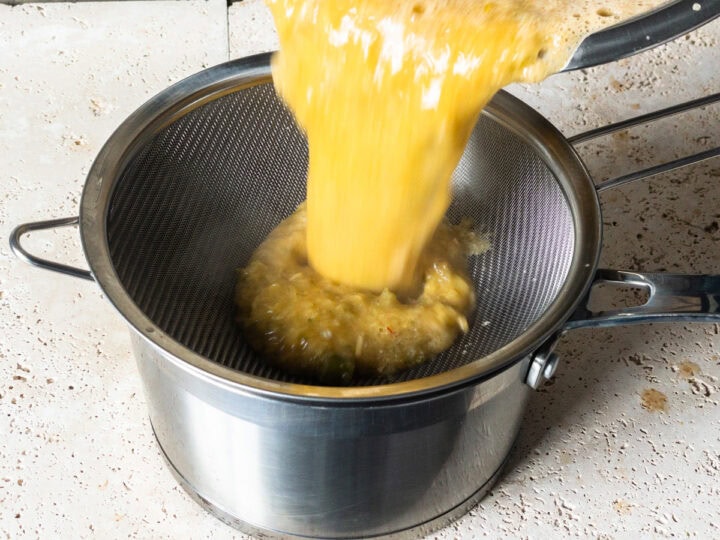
{"x":331,"y":331}
{"x":653,"y":400}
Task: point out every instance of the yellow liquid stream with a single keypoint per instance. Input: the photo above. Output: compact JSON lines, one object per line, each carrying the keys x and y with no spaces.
{"x":388,"y":93}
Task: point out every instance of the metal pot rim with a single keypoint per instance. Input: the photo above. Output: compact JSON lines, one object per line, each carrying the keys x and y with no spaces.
{"x":214,"y":82}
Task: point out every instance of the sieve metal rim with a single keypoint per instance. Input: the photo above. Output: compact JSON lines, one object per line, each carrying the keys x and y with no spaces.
{"x":190,"y":93}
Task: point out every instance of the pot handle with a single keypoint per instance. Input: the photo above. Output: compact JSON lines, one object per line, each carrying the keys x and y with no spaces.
{"x":672,"y":298}
{"x":26,"y":256}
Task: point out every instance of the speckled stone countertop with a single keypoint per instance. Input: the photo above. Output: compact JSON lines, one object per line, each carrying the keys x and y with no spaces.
{"x":624,"y":442}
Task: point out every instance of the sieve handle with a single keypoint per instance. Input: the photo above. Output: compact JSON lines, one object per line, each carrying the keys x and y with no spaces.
{"x":667,"y":22}
{"x":672,"y":298}
{"x":22,"y":253}
{"x":646,"y":119}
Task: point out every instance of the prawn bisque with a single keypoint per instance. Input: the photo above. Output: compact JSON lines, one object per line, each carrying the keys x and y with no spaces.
{"x":387,"y":93}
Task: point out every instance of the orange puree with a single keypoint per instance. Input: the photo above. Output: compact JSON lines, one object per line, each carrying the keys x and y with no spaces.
{"x":388,"y":93}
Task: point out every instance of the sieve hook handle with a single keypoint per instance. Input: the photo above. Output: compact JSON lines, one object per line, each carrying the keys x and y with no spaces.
{"x":672,"y":298}
{"x":23,"y":254}
{"x":646,"y":119}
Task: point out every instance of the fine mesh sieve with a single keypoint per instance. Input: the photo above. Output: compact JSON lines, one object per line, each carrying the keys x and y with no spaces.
{"x":194,"y":200}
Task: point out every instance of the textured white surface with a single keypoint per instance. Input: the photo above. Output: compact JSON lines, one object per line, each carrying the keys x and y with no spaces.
{"x":77,"y":457}
{"x":250,"y":28}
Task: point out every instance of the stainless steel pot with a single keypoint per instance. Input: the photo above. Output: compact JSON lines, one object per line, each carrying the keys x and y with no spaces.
{"x":281,"y":457}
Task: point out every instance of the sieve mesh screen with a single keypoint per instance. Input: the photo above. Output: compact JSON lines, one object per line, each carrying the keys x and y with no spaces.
{"x":192,"y":205}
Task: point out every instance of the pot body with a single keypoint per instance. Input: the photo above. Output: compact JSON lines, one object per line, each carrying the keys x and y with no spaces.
{"x":304,"y":468}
